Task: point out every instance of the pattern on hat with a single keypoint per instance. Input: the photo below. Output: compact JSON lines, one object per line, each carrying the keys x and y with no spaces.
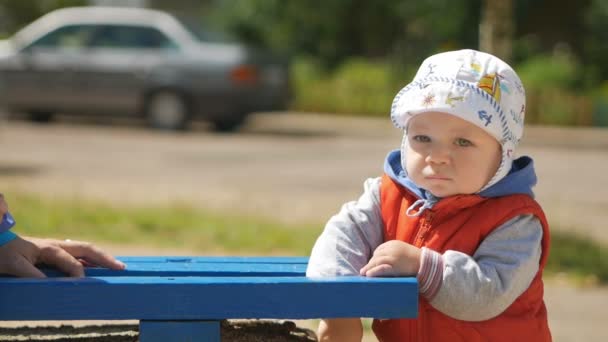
{"x":471,"y":85}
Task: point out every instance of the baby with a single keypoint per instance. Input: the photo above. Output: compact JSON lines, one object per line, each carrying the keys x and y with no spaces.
{"x":454,"y":208}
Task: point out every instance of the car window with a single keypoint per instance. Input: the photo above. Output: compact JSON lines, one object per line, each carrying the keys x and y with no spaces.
{"x":72,"y":36}
{"x":118,"y":36}
{"x":203,"y":33}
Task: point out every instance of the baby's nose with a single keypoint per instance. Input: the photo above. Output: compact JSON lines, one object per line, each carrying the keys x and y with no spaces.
{"x":439,"y":154}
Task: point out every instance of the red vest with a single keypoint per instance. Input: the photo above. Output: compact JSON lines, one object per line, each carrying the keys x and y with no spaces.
{"x":461,"y":223}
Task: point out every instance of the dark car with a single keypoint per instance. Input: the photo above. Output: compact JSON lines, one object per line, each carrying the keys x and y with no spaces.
{"x":133,"y":61}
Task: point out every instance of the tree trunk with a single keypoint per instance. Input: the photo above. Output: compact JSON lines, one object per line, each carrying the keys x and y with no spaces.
{"x":496,"y":28}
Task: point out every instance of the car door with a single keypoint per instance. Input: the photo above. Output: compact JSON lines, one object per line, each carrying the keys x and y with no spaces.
{"x":113,"y":77}
{"x":41,"y":74}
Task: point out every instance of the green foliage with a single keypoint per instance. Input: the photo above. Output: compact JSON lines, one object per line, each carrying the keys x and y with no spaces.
{"x":559,"y":71}
{"x":577,"y":255}
{"x":19,"y":13}
{"x":363,"y":87}
{"x":335,"y":30}
{"x":356,"y":87}
{"x":600,"y":105}
{"x":552,"y":83}
{"x":175,"y":226}
{"x":595,"y":38}
{"x":338,"y":32}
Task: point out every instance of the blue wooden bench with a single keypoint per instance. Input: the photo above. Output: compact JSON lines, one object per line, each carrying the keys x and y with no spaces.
{"x":185,"y":298}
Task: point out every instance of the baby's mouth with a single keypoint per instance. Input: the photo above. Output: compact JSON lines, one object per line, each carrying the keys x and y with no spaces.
{"x":435,"y":177}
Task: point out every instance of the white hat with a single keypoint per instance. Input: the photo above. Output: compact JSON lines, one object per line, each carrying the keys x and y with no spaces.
{"x":473,"y":86}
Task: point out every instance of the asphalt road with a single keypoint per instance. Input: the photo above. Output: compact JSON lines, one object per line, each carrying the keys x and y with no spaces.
{"x":295,"y":168}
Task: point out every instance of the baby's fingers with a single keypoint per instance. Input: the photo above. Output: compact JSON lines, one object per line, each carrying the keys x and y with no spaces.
{"x":375,"y":261}
{"x":382,"y":270}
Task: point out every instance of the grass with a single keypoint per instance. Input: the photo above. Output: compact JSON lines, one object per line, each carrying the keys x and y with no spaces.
{"x":182,"y":226}
{"x":178,"y":226}
{"x":578,"y":256}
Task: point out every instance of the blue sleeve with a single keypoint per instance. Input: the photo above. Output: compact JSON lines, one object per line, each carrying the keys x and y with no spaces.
{"x":7,"y":222}
{"x":7,"y":237}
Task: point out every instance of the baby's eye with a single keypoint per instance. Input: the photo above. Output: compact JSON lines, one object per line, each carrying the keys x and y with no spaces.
{"x":421,"y":138}
{"x":463,"y":142}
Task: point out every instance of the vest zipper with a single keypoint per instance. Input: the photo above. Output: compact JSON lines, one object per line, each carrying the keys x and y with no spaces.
{"x":424,"y":228}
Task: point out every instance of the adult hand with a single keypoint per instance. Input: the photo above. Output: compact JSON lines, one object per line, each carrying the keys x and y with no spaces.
{"x":20,"y":256}
{"x":393,"y":259}
{"x":3,"y":206}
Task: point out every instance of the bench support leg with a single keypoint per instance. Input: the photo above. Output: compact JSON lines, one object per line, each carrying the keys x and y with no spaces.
{"x":163,"y":331}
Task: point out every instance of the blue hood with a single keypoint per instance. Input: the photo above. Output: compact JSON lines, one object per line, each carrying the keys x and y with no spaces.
{"x":520,"y":179}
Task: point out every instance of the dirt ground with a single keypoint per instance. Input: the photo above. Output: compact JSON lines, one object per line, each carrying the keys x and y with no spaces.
{"x":231,"y":331}
{"x":294,"y":168}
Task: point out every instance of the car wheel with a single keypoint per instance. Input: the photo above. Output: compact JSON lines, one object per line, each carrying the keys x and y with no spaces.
{"x":167,"y":110}
{"x":228,"y":123}
{"x":41,"y":116}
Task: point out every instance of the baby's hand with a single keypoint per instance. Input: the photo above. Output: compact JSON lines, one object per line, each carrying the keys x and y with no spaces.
{"x":393,"y":259}
{"x":3,"y":206}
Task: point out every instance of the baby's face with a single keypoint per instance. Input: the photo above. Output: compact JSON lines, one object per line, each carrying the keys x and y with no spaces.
{"x":448,"y":156}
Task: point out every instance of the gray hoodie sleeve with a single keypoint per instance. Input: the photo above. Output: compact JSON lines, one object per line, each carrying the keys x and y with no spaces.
{"x":479,"y":287}
{"x":350,"y":237}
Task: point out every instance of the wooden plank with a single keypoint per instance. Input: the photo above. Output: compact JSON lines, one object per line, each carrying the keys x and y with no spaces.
{"x":206,"y":298}
{"x":163,"y":331}
{"x":201,"y":266}
{"x":147,"y":268}
{"x":217,"y":259}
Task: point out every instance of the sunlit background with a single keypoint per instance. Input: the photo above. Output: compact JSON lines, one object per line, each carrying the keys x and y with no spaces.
{"x":240,"y":126}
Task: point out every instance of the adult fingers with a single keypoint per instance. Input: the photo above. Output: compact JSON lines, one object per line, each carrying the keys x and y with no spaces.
{"x":91,"y":254}
{"x":21,"y":267}
{"x":18,"y":257}
{"x":58,"y":257}
{"x":3,"y":205}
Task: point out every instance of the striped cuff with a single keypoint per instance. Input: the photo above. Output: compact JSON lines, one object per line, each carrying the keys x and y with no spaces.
{"x":430,"y":274}
{"x":7,"y":237}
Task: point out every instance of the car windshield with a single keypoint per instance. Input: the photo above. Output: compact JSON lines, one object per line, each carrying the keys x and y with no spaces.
{"x":202,"y":33}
